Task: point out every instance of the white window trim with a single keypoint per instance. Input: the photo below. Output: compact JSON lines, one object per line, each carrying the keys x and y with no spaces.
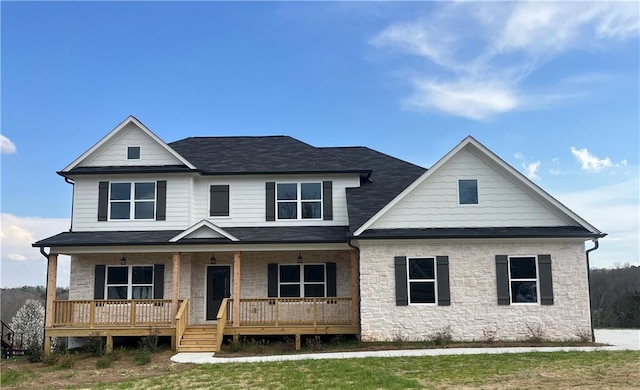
{"x":299,"y":201}
{"x":458,"y":192}
{"x":132,"y":201}
{"x":537,"y":280}
{"x":129,"y":284}
{"x":218,"y":217}
{"x":139,"y":153}
{"x":302,"y":283}
{"x":434,"y":280}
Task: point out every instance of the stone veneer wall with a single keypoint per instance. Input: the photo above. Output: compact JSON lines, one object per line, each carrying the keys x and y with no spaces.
{"x":474,"y":310}
{"x":253,"y":270}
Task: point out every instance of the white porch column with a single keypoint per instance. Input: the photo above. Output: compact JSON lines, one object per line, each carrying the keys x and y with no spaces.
{"x":236,"y":289}
{"x":175,"y":286}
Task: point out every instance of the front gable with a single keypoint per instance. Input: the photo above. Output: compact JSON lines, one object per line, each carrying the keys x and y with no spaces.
{"x":505,"y":198}
{"x":130,"y":144}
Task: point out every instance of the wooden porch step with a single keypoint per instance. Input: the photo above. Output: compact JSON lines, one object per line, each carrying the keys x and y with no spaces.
{"x":199,"y":338}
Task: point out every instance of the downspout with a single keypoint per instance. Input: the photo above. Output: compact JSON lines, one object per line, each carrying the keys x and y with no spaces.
{"x":46,"y":286}
{"x":595,"y":246}
{"x":359,"y":292}
{"x":73,"y":197}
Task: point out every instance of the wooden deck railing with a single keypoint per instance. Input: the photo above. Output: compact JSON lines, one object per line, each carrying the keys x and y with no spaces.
{"x":294,"y":311}
{"x":221,"y":321}
{"x":120,"y":312}
{"x":182,"y":319}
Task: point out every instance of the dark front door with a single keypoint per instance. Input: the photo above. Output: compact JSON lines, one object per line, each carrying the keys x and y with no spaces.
{"x":218,"y":288}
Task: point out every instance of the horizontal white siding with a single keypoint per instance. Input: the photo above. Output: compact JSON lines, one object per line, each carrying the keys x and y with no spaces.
{"x":435,"y":202}
{"x":114,"y":152}
{"x":85,"y":205}
{"x":248,"y":198}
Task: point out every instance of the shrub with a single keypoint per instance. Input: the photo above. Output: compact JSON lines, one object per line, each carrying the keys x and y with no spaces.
{"x":150,"y":342}
{"x":66,"y":361}
{"x":96,"y":344}
{"x":314,"y":343}
{"x":442,"y":336}
{"x":104,"y":362}
{"x":490,"y":334}
{"x":49,"y":360}
{"x":34,"y":353}
{"x":142,"y":357}
{"x":536,"y":333}
{"x":59,"y":345}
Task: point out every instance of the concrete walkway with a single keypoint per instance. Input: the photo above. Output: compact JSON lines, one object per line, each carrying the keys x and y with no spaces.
{"x":617,"y":340}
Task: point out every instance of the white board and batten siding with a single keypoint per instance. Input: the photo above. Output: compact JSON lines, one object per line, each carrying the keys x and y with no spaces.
{"x":114,"y":152}
{"x":247,"y":199}
{"x":501,"y":203}
{"x":85,"y":204}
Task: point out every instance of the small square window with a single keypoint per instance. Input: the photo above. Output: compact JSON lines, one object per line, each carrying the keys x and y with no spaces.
{"x":468,"y":191}
{"x":133,"y":153}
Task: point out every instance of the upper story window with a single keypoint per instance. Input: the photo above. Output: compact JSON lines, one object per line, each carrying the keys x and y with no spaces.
{"x":133,"y":153}
{"x":299,"y":200}
{"x":468,"y":191}
{"x":129,"y":282}
{"x":132,"y":200}
{"x":523,"y":279}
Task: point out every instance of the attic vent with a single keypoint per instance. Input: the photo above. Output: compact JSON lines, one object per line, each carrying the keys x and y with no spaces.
{"x":133,"y":153}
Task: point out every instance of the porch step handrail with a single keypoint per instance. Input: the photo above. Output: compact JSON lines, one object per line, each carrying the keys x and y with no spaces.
{"x":182,"y":319}
{"x":221,"y":320}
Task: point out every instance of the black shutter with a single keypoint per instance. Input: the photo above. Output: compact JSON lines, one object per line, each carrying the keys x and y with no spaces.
{"x":98,"y":284}
{"x":103,"y":200}
{"x":502,"y":279}
{"x":546,"y":282}
{"x":442,"y":269}
{"x":271,"y":201}
{"x":161,"y":205}
{"x":327,"y":200}
{"x":219,"y":201}
{"x":158,"y":281}
{"x":272,"y":277}
{"x":332,"y":290}
{"x":402,"y":299}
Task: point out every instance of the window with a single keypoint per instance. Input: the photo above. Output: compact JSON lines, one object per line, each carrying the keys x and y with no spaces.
{"x":422,"y":280}
{"x":468,"y":191}
{"x":523,"y":279}
{"x":219,"y":200}
{"x":132,"y":200}
{"x":133,"y":153}
{"x":129,"y":282}
{"x":299,"y":200}
{"x":301,"y":280}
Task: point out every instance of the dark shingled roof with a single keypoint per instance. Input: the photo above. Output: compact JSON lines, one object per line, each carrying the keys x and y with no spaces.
{"x":389,"y":177}
{"x":255,"y":155}
{"x":249,"y":235}
{"x":482,"y":232}
{"x":127,"y":169}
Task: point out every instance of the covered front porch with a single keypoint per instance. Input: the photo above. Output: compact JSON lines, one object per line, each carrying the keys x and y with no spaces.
{"x":198,"y":297}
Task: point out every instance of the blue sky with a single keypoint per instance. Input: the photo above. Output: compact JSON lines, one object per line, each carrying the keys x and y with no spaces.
{"x":552,"y":88}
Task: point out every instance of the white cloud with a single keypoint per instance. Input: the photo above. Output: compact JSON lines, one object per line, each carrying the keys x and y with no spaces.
{"x":591,"y":163}
{"x":6,"y":146}
{"x":21,"y":263}
{"x":530,"y":168}
{"x":483,"y":52}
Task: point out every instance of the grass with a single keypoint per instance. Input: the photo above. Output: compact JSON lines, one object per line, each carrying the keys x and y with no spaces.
{"x":527,"y":370}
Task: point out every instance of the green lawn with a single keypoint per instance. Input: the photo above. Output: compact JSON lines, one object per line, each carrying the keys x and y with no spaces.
{"x":600,"y":369}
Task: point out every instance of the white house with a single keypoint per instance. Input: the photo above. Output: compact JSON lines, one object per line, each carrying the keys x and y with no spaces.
{"x":213,"y":236}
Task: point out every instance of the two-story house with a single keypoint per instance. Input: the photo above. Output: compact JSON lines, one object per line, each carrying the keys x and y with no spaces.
{"x":212,"y":236}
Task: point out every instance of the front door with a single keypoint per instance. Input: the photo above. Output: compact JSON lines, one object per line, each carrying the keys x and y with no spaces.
{"x":218,"y":288}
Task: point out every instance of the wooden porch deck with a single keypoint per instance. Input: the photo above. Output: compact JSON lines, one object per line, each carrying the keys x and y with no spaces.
{"x":252,"y":317}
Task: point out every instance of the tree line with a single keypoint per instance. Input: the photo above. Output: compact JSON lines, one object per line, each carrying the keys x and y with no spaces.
{"x":615,"y":297}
